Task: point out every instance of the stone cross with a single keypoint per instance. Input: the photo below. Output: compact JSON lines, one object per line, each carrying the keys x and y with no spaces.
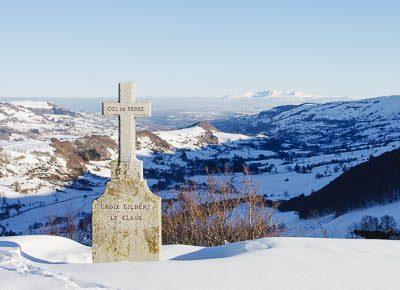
{"x":127,"y":109}
{"x":126,"y":219}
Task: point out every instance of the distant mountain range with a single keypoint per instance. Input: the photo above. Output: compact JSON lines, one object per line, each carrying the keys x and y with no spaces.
{"x":287,"y":96}
{"x":330,"y":124}
{"x":271,"y":94}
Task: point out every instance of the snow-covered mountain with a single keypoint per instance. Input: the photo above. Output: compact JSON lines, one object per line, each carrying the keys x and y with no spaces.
{"x":42,"y":144}
{"x":272,"y":94}
{"x":286,"y":97}
{"x":362,"y":121}
{"x":51,"y":157}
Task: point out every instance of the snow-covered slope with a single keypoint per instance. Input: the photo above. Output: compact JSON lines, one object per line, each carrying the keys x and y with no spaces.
{"x":29,"y":163}
{"x":34,"y":104}
{"x":44,"y":262}
{"x":197,"y":136}
{"x":326,"y":124}
{"x":369,"y":109}
{"x":39,"y":120}
{"x":45,"y":150}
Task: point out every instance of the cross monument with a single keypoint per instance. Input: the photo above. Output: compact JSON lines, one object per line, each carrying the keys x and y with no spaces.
{"x":126,"y":219}
{"x":127,"y":109}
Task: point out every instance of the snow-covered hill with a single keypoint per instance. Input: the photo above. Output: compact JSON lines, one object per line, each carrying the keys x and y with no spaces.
{"x":48,"y":262}
{"x":54,"y":161}
{"x":361,"y":121}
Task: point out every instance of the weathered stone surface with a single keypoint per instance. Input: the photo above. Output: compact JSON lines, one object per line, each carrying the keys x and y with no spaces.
{"x":127,"y":109}
{"x":126,"y":170}
{"x":126,"y":222}
{"x":126,"y":219}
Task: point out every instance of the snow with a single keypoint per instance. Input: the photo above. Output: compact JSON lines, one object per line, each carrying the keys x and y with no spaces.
{"x":27,"y":146}
{"x":369,"y":109}
{"x":189,"y":137}
{"x":33,"y":246}
{"x":11,"y":112}
{"x":271,"y":94}
{"x":342,"y":223}
{"x":33,"y":104}
{"x":45,"y":262}
{"x":229,"y":137}
{"x":31,"y":157}
{"x":331,"y":226}
{"x":182,"y":138}
{"x":287,"y":96}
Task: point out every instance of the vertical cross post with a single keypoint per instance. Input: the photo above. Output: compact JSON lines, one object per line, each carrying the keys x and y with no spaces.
{"x":127,"y":123}
{"x":127,"y":110}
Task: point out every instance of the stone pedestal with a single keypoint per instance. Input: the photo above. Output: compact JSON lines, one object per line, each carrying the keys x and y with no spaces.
{"x":126,"y":218}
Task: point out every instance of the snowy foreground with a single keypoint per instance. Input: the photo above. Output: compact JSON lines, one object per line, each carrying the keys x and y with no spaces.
{"x":48,"y":262}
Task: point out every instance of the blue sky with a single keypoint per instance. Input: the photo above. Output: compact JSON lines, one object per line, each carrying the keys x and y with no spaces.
{"x":199,"y":48}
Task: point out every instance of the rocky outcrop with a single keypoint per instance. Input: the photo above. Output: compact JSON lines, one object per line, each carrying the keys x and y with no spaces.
{"x":207,"y":138}
{"x":95,"y":147}
{"x":77,"y":153}
{"x":206,"y":126}
{"x":75,"y":163}
{"x":159,"y":145}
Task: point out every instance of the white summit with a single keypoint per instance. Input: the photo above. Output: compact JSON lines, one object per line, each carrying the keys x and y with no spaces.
{"x":283,"y":97}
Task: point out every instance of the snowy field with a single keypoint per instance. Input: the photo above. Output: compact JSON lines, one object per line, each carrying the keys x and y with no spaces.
{"x":330,"y":226}
{"x":48,"y":262}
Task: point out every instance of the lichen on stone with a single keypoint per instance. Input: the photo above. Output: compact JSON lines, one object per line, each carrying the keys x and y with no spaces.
{"x":151,"y":236}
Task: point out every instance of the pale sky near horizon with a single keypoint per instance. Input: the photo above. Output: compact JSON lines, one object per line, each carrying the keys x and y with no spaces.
{"x":199,"y":48}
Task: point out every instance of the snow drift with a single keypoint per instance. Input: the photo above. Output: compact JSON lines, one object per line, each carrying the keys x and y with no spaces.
{"x":46,"y":262}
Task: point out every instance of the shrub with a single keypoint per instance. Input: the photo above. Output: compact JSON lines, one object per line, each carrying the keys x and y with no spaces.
{"x":373,"y":228}
{"x":217,"y":214}
{"x":388,"y":223}
{"x":65,"y":225}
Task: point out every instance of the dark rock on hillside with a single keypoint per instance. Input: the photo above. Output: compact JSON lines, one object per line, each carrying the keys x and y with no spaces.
{"x":160,"y":145}
{"x":208,"y":138}
{"x":206,"y":126}
{"x":376,"y":181}
{"x":95,"y":147}
{"x":81,"y":151}
{"x":75,"y":163}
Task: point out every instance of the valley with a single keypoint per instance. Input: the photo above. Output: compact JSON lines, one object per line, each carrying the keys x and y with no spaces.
{"x":54,"y":162}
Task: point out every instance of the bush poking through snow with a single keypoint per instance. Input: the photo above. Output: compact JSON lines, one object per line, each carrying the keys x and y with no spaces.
{"x":370,"y":227}
{"x":218,"y":215}
{"x":16,"y":186}
{"x":65,"y":225}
